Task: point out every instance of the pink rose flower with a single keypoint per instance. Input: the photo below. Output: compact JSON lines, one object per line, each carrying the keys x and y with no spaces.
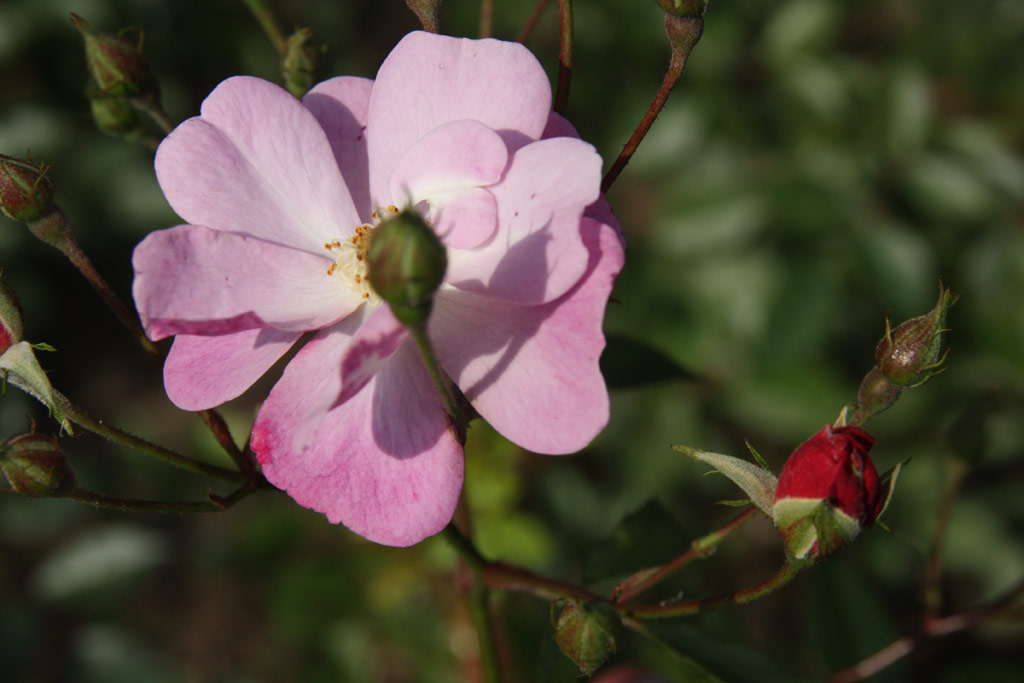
{"x":279,"y":197}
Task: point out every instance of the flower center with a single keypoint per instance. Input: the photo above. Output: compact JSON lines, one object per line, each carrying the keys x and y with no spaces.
{"x":349,"y":255}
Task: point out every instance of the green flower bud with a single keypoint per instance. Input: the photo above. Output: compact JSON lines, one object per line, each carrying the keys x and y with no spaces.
{"x":298,"y":66}
{"x":683,"y":8}
{"x":406,"y":264}
{"x":35,"y":466}
{"x":911,"y":353}
{"x":114,"y":116}
{"x":116,"y":66}
{"x":26,"y":194}
{"x":586,"y":632}
{"x":11,"y":323}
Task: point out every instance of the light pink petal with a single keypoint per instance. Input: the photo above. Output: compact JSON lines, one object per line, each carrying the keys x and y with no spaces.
{"x":559,"y":127}
{"x":454,"y":156}
{"x":193,"y":280}
{"x":371,"y":347}
{"x":203,"y":372}
{"x":536,"y":254}
{"x":383,"y":463}
{"x":340,"y":105}
{"x":466,"y":218}
{"x":256,"y":162}
{"x":532,"y":371}
{"x":429,"y":80}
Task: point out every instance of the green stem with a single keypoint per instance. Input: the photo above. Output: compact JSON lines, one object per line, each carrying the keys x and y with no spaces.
{"x":479,"y":607}
{"x":783,"y":576}
{"x":101,"y":500}
{"x":440,"y":380}
{"x":564,"y":55}
{"x":532,"y":20}
{"x":81,"y":418}
{"x":486,"y":18}
{"x":150,"y":106}
{"x":931,"y":591}
{"x":683,"y":35}
{"x":700,"y":548}
{"x":266,"y":20}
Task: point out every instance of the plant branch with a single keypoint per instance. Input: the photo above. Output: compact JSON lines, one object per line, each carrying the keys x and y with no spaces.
{"x":532,"y":21}
{"x":699,"y":549}
{"x":486,"y":18}
{"x":931,"y":592}
{"x":565,"y":39}
{"x":269,"y":24}
{"x":214,"y":504}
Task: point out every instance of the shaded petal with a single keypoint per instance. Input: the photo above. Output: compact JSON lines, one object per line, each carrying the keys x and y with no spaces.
{"x":340,"y":105}
{"x":532,"y":371}
{"x":467,"y":219}
{"x":383,"y":463}
{"x":429,"y":80}
{"x":203,"y":372}
{"x":454,"y":156}
{"x":194,"y":280}
{"x":377,"y":338}
{"x":256,"y":162}
{"x":536,"y":254}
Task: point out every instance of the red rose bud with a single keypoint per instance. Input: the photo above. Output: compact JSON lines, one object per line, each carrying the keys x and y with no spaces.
{"x":11,"y":323}
{"x":828,"y":491}
{"x":116,"y":65}
{"x":35,"y":466}
{"x":26,"y":194}
{"x":911,"y":353}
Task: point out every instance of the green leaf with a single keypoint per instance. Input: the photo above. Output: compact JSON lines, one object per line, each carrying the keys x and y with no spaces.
{"x":757,"y":456}
{"x":19,"y":366}
{"x":629,"y":363}
{"x":645,"y":538}
{"x":890,"y":478}
{"x":730,"y":661}
{"x":756,"y":482}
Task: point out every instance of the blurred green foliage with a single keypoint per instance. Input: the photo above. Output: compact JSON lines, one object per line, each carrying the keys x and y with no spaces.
{"x":820,"y":165}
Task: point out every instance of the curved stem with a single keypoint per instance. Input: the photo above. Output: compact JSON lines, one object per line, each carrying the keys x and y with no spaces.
{"x":699,"y":549}
{"x":101,"y":500}
{"x":486,"y":18}
{"x":266,"y":20}
{"x":564,"y":55}
{"x":81,"y":418}
{"x":151,"y":107}
{"x":532,"y":20}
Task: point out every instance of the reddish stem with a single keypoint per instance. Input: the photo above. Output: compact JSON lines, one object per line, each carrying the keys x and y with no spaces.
{"x":564,"y":55}
{"x":532,"y":20}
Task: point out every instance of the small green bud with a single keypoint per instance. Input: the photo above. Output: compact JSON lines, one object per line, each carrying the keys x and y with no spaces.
{"x":911,"y":353}
{"x":35,"y":466}
{"x":11,"y":323}
{"x":298,"y":66}
{"x":683,"y":8}
{"x":26,"y":194}
{"x":586,"y":632}
{"x":114,"y":116}
{"x":406,"y":264}
{"x":116,"y":66}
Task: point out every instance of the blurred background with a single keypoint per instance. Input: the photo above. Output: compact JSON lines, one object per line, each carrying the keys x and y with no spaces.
{"x":821,"y":164}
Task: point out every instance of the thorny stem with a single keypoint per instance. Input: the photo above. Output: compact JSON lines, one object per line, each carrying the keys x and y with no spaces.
{"x":266,"y":20}
{"x":931,"y":593}
{"x":532,"y":20}
{"x":700,"y":548}
{"x":692,"y":28}
{"x":682,"y":608}
{"x":930,"y":628}
{"x":486,"y":18}
{"x":564,"y":55}
{"x":81,"y":418}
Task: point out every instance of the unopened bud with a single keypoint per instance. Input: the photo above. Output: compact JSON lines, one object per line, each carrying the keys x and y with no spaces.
{"x":116,"y":66}
{"x":828,"y":491}
{"x":11,"y":323}
{"x":115,"y":116}
{"x":406,"y":264}
{"x":299,"y":63}
{"x":35,"y":466}
{"x":26,"y":194}
{"x":586,"y":632}
{"x":683,"y":8}
{"x":912,"y":352}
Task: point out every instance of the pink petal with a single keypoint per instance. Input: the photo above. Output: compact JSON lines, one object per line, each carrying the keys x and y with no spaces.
{"x":370,"y":348}
{"x":203,"y":372}
{"x":454,"y":156}
{"x":558,"y":127}
{"x":466,"y":220}
{"x":256,"y":162}
{"x":536,"y":254}
{"x":340,"y":105}
{"x":532,"y":371}
{"x":429,"y":80}
{"x":383,"y":463}
{"x":193,"y":280}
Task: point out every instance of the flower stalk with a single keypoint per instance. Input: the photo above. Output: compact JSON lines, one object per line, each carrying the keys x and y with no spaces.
{"x":565,"y":39}
{"x":532,"y":21}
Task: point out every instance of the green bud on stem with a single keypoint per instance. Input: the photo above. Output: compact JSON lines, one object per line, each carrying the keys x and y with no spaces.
{"x":116,"y":66}
{"x":35,"y":466}
{"x":586,"y":632}
{"x":26,"y":194}
{"x":299,"y":62}
{"x":406,"y":264}
{"x":912,"y":353}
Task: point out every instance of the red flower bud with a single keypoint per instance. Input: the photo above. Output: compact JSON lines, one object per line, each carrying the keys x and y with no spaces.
{"x":35,"y":466}
{"x":911,"y":353}
{"x":827,"y":492}
{"x":116,"y":66}
{"x":26,"y":194}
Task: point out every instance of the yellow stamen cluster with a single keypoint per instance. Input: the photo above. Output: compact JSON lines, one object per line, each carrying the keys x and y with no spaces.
{"x":350,"y":256}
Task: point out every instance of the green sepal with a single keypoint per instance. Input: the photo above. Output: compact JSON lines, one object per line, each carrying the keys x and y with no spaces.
{"x":811,"y":528}
{"x":19,"y":366}
{"x":757,"y":482}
